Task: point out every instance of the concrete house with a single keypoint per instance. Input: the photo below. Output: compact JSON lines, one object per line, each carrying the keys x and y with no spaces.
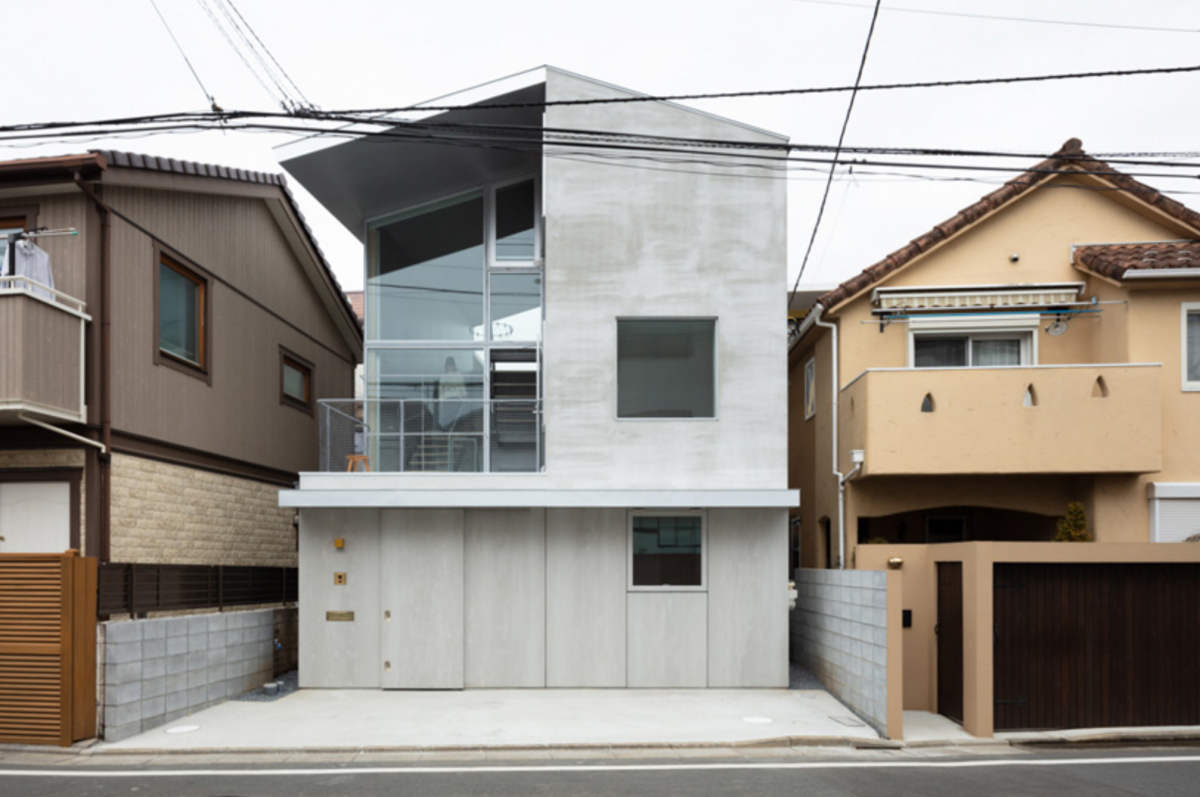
{"x":1039,"y":348}
{"x":567,"y":470}
{"x":158,"y":385}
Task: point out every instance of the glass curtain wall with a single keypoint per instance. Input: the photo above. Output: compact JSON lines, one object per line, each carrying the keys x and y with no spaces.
{"x":446,"y":323}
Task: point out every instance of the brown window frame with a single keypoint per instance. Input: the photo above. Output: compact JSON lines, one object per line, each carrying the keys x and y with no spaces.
{"x":288,"y":357}
{"x":190,"y":271}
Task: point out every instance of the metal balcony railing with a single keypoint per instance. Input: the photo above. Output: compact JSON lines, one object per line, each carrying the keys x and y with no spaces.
{"x":431,"y":436}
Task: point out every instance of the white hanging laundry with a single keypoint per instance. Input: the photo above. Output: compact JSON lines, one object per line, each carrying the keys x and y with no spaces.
{"x":30,"y":260}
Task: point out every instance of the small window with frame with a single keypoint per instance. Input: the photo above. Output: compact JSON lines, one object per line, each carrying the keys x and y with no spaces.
{"x":810,"y":389}
{"x":181,"y":316}
{"x":1190,"y":346}
{"x":666,"y":551}
{"x":295,"y":380}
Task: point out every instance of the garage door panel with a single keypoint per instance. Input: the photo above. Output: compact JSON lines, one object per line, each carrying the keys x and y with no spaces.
{"x":1096,"y":645}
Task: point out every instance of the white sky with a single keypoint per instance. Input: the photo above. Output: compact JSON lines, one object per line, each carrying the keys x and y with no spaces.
{"x":94,"y":60}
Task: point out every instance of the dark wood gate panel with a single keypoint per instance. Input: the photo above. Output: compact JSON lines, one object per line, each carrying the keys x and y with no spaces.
{"x":47,"y":648}
{"x":950,"y":640}
{"x":1096,"y":645}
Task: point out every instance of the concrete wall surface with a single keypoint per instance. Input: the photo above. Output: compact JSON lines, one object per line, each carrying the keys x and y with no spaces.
{"x":155,"y":671}
{"x":509,"y":598}
{"x":839,"y":630}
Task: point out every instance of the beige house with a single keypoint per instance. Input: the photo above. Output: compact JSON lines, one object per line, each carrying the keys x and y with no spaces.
{"x":1039,"y":348}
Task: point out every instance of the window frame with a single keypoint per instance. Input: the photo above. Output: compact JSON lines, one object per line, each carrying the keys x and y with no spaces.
{"x":1186,"y":309}
{"x":810,"y":389}
{"x":1023,"y":326}
{"x":288,"y":357}
{"x":635,"y":513}
{"x":189,"y":270}
{"x":490,"y":233}
{"x":716,"y":369}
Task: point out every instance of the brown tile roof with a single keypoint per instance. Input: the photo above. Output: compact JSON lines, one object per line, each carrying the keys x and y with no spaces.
{"x":1069,"y":157}
{"x":1114,"y":260}
{"x":356,"y":301}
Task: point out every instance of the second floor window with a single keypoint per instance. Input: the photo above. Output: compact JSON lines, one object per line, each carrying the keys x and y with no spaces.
{"x":1191,"y":346}
{"x":182,"y":307}
{"x":970,"y":351}
{"x":666,"y":368}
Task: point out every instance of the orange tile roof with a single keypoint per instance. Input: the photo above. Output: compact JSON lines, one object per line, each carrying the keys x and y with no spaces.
{"x":1114,"y":260}
{"x":356,"y":301}
{"x":1068,"y":158}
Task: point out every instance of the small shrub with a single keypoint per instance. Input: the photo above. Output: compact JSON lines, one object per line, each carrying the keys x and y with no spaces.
{"x":1193,"y":538}
{"x":1073,"y":526}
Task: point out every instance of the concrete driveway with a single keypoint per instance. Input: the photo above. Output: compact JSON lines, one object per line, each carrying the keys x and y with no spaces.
{"x":316,"y":719}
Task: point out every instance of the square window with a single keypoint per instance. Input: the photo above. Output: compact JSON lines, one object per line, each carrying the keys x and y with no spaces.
{"x":665,"y":368}
{"x":295,"y":380}
{"x":667,"y":551}
{"x":181,"y":316}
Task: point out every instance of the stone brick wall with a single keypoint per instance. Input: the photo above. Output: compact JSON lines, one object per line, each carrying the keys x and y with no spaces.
{"x":54,"y":458}
{"x":156,"y":671}
{"x":171,"y":514}
{"x":839,"y":632}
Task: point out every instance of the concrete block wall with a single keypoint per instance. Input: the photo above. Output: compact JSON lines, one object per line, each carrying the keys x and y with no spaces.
{"x":172,"y":514}
{"x":839,"y":632}
{"x":155,"y":671}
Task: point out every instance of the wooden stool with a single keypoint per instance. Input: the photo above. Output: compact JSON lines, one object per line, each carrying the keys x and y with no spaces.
{"x":354,"y":460}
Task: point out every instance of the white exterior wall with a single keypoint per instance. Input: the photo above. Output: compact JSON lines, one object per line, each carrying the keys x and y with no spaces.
{"x":531,"y":598}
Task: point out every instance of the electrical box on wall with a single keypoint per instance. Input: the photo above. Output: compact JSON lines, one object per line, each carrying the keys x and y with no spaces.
{"x":339,"y":578}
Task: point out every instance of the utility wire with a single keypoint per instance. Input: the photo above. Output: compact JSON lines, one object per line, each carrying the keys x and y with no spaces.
{"x":211,"y":101}
{"x":289,"y":104}
{"x":225,"y":34}
{"x":836,"y":152}
{"x":307,"y":103}
{"x":1075,"y":23}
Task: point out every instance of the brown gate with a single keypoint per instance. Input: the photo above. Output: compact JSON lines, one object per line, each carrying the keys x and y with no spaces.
{"x":1096,"y":645}
{"x":950,"y":640}
{"x":47,"y":648}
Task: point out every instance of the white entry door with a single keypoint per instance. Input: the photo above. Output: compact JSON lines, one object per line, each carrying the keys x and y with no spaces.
{"x":35,"y":517}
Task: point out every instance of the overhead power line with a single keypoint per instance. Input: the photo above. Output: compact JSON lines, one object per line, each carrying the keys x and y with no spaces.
{"x":306,"y":102}
{"x":1038,"y":20}
{"x":211,"y":102}
{"x":862,"y":63}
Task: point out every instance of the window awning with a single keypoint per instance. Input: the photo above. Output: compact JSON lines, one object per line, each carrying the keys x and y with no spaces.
{"x":970,"y":297}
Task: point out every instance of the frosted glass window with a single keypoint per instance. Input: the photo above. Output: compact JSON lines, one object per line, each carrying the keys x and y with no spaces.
{"x":665,"y":368}
{"x":425,"y":280}
{"x":1193,"y":347}
{"x":180,"y":313}
{"x":939,"y":352}
{"x":997,"y":351}
{"x":516,"y":227}
{"x":294,"y":380}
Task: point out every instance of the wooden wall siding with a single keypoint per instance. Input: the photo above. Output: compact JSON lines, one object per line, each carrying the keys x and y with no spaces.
{"x":42,"y":351}
{"x":1096,"y":645}
{"x":67,"y":255}
{"x":240,"y":414}
{"x":47,"y":649}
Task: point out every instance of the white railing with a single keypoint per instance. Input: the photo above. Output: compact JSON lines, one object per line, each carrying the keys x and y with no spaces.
{"x":430,"y":436}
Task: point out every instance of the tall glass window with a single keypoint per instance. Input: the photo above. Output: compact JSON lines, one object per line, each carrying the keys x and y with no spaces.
{"x":426,"y":273}
{"x":180,"y":313}
{"x":516,"y":307}
{"x":515,"y":223}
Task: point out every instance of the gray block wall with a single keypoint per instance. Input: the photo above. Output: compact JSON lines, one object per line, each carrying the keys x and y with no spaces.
{"x":156,"y":671}
{"x":839,"y":632}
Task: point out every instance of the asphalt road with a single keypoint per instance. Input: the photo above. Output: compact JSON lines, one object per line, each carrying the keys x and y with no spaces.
{"x":1161,"y":772}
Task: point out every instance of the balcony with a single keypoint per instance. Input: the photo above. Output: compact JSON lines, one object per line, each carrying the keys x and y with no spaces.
{"x":1005,"y":420}
{"x":431,"y":436}
{"x":42,"y":370}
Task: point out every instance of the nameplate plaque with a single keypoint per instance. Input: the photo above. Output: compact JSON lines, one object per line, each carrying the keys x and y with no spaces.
{"x":339,"y":617}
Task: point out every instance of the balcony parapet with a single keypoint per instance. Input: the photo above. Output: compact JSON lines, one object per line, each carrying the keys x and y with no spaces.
{"x":1087,"y":418}
{"x":42,"y":370}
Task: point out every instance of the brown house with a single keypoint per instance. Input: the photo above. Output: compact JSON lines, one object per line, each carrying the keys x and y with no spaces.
{"x":156,"y":398}
{"x":1040,"y":348}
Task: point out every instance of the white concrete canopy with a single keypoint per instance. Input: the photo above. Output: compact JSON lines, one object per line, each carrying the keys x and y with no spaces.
{"x":362,"y":496}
